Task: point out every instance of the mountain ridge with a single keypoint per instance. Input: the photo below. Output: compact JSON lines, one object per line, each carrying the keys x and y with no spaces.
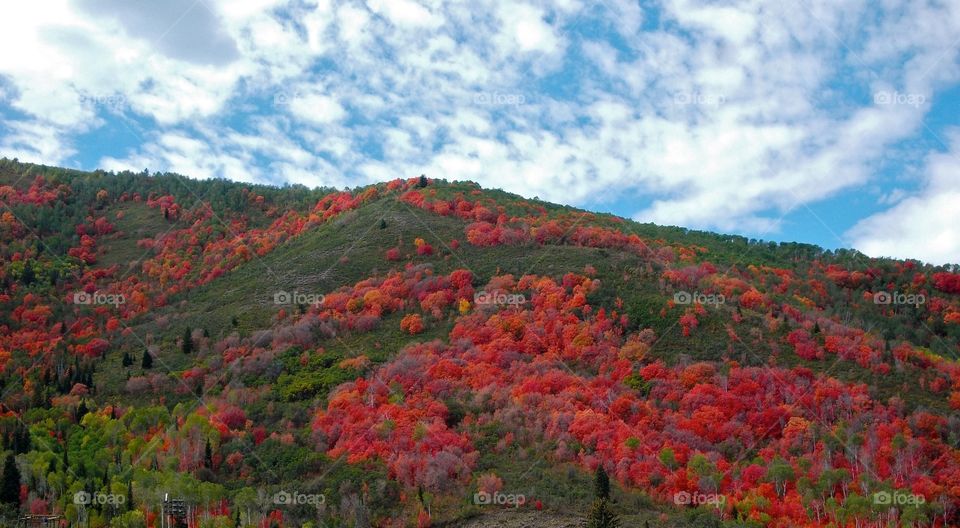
{"x":636,"y":346}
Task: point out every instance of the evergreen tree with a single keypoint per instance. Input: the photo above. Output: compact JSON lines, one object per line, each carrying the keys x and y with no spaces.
{"x":423,"y":181}
{"x":10,"y":488}
{"x":21,"y":440}
{"x":383,"y":224}
{"x":147,"y":362}
{"x":602,"y":484}
{"x":37,"y":401}
{"x":187,"y":346}
{"x":28,"y":276}
{"x":601,"y":515}
{"x":208,"y":456}
{"x":82,"y":411}
{"x":129,"y":501}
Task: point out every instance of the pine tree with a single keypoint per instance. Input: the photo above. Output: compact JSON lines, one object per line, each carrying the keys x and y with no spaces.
{"x":129,"y":500}
{"x":28,"y":276}
{"x":147,"y":362}
{"x":187,"y":346}
{"x":423,"y":181}
{"x":602,"y":484}
{"x":82,"y":411}
{"x":21,"y":440}
{"x":208,"y":456}
{"x":10,"y":488}
{"x":601,"y":515}
{"x":383,"y":224}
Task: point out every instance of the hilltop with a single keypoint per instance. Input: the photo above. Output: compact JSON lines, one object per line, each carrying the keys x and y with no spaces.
{"x":409,"y":352}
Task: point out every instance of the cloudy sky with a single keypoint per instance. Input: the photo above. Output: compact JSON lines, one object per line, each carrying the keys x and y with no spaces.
{"x":832,"y":122}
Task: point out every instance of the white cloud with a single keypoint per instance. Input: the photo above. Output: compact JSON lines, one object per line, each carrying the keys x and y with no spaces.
{"x":178,"y":152}
{"x":316,"y":108}
{"x":35,"y":141}
{"x":404,"y":13}
{"x":719,"y":117}
{"x":524,"y":28}
{"x":925,"y":225}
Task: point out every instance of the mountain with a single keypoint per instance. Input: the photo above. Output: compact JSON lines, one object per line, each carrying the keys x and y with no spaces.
{"x":430,"y":353}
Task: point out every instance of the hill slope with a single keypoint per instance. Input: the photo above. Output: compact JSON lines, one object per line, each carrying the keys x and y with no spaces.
{"x":433,"y":353}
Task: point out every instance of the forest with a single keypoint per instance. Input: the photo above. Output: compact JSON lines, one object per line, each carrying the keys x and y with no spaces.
{"x":422,"y":352}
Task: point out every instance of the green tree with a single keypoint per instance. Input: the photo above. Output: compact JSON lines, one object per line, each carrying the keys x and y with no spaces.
{"x":10,"y":487}
{"x":208,"y":456}
{"x":82,"y":411}
{"x":187,"y":346}
{"x":601,"y":516}
{"x":28,"y":276}
{"x":780,"y":473}
{"x":601,"y":483}
{"x":130,"y":519}
{"x":147,"y":362}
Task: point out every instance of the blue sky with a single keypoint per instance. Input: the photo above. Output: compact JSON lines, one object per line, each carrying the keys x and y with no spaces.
{"x":834,"y":123}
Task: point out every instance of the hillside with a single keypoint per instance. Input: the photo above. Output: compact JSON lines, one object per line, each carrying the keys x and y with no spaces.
{"x":407,"y":353}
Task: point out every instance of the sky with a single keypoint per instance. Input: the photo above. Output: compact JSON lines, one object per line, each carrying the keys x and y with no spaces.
{"x":835,"y":123}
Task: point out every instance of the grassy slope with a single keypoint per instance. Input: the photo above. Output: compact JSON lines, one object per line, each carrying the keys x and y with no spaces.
{"x":314,"y":263}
